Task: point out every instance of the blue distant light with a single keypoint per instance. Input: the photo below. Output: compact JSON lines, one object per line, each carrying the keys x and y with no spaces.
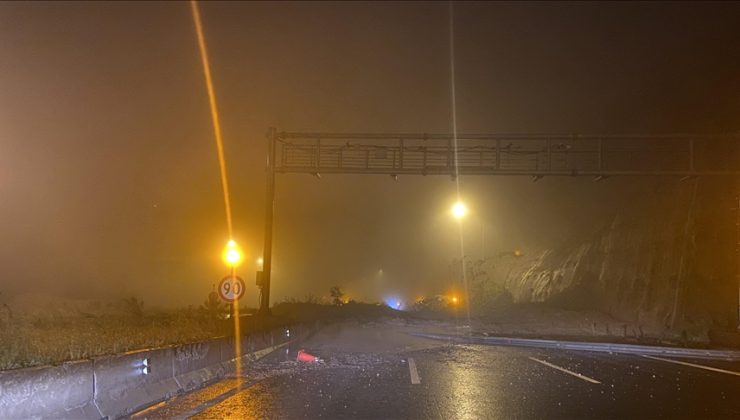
{"x":394,"y":303}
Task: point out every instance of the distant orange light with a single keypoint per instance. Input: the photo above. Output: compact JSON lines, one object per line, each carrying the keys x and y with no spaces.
{"x":454,"y":299}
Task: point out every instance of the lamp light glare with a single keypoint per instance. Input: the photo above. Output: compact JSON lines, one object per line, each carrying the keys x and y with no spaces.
{"x":459,"y":210}
{"x":232,"y":254}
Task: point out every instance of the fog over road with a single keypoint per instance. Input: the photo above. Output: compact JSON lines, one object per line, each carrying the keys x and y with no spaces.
{"x":377,"y":370}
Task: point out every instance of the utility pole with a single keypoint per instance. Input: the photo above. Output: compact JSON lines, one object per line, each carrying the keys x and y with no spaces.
{"x":269,"y":209}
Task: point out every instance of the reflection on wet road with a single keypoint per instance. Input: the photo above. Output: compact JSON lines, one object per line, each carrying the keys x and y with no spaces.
{"x":378,"y":371}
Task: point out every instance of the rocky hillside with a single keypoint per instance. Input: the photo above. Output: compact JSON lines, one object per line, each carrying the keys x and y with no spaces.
{"x":664,"y":259}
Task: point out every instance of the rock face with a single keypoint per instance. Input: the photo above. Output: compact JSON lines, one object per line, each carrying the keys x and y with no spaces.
{"x":665,"y":258}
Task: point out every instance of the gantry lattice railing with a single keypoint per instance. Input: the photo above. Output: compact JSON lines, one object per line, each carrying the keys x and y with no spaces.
{"x":496,"y":154}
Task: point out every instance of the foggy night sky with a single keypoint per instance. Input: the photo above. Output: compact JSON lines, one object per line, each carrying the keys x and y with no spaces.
{"x":108,"y":173}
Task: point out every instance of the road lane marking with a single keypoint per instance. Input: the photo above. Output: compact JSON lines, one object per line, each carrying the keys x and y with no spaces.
{"x":713,"y":369}
{"x":569,"y":372}
{"x":415,"y":380}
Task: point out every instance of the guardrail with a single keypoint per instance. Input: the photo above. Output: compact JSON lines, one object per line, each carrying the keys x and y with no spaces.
{"x":730,"y":355}
{"x":118,"y":385}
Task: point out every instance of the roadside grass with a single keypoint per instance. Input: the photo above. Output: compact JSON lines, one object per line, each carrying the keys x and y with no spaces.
{"x":28,"y":342}
{"x":52,"y":338}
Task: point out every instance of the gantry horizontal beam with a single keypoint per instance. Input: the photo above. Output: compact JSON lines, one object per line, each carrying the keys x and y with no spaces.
{"x":284,"y":135}
{"x":466,"y":172}
{"x":506,"y":154}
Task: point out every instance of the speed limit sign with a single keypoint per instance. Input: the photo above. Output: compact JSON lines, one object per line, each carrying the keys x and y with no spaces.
{"x":231,"y":288}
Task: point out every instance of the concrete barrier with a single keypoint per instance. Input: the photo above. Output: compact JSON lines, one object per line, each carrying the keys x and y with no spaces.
{"x":122,"y":387}
{"x":64,"y":391}
{"x":226,"y":347}
{"x":117,"y":386}
{"x":255,"y":342}
{"x":198,"y":363}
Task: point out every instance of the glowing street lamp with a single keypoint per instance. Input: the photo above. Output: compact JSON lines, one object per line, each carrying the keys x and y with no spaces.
{"x":232,"y":254}
{"x":459,"y":210}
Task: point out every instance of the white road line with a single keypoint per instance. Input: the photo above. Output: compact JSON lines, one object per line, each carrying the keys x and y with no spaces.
{"x":569,"y":372}
{"x":713,"y":369}
{"x":415,"y":380}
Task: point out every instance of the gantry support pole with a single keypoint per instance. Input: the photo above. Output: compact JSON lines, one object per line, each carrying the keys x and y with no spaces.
{"x":737,"y":249}
{"x":269,"y":209}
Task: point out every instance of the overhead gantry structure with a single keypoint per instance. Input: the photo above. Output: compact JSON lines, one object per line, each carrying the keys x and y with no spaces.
{"x":499,"y":154}
{"x":535,"y":155}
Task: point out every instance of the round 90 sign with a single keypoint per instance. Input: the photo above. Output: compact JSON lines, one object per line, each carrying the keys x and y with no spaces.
{"x":231,"y":288}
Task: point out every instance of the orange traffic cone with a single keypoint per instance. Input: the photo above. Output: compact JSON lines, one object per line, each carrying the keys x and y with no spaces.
{"x":305,"y":357}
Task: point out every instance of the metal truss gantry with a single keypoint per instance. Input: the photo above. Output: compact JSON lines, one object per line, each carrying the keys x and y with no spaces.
{"x":536,"y":155}
{"x":495,"y":154}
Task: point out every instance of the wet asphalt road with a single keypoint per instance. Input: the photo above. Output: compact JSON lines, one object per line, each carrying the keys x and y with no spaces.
{"x":371,"y":378}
